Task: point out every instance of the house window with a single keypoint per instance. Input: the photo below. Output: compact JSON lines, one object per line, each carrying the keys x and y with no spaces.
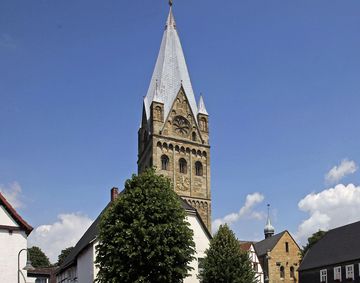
{"x":349,"y":271}
{"x":198,"y":168}
{"x":337,"y":273}
{"x":182,"y":166}
{"x":292,"y":272}
{"x":287,"y":247}
{"x":323,"y":275}
{"x":164,"y":162}
{"x":282,"y":272}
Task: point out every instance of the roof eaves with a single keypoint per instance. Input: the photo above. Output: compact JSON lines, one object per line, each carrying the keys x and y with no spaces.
{"x":26,"y":227}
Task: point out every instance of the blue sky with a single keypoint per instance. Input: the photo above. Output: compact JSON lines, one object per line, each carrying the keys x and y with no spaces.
{"x":280,"y":81}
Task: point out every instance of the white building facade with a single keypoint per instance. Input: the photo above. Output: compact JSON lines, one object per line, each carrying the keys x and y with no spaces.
{"x":13,"y":239}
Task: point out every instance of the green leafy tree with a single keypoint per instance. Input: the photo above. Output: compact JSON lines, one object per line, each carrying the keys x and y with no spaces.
{"x":312,"y":240}
{"x":225,"y":262}
{"x":38,"y":257}
{"x":143,"y":235}
{"x":64,"y":253}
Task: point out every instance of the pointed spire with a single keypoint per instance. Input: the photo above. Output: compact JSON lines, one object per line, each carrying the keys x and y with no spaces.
{"x":170,"y":72}
{"x":157,"y":97}
{"x":269,"y":230}
{"x":202,"y":108}
{"x":170,"y":22}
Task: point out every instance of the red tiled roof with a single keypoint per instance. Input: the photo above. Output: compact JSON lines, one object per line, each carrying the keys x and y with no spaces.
{"x":19,"y":220}
{"x":245,"y":246}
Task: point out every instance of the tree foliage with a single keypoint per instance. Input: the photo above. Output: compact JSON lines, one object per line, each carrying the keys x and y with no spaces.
{"x":143,"y":235}
{"x":312,"y":240}
{"x":225,"y":262}
{"x":38,"y":257}
{"x":64,"y":253}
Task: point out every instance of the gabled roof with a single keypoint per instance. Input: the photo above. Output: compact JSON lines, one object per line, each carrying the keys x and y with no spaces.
{"x":90,"y":235}
{"x":263,"y":246}
{"x":93,"y":231}
{"x":245,"y":246}
{"x":337,"y":246}
{"x":18,"y":219}
{"x":170,"y":73}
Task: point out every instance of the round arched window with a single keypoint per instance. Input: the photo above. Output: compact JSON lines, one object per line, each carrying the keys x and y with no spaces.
{"x":182,"y":166}
{"x":198,"y":168}
{"x":164,"y":162}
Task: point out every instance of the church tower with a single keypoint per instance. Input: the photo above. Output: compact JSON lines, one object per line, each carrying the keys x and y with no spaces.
{"x":174,"y":133}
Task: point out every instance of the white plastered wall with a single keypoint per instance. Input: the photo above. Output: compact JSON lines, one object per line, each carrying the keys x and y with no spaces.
{"x":85,"y":265}
{"x":201,"y":240}
{"x":10,"y":245}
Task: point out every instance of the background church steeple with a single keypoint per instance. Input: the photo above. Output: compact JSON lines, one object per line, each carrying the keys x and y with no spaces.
{"x":269,"y":230}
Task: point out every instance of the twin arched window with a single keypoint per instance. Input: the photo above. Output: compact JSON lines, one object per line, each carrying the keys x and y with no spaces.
{"x":164,"y":162}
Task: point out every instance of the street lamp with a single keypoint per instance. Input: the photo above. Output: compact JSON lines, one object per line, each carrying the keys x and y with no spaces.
{"x":27,"y":267}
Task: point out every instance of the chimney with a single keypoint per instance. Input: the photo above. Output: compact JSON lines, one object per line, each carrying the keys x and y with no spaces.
{"x":114,"y":193}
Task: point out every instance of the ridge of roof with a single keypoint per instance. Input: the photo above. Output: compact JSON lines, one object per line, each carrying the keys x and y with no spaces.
{"x":170,"y":72}
{"x":338,"y":245}
{"x":263,"y":246}
{"x":13,"y":213}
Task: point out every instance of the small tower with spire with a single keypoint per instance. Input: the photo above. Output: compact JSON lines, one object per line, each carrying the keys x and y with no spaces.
{"x":269,"y":230}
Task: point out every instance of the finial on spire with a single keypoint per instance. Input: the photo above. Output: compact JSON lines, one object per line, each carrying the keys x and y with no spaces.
{"x":269,"y":230}
{"x":170,"y":3}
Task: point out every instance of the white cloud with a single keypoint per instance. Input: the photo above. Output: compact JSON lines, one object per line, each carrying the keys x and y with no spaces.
{"x":328,"y":209}
{"x":246,"y":210}
{"x":12,"y":193}
{"x":336,"y":173}
{"x":65,"y":232}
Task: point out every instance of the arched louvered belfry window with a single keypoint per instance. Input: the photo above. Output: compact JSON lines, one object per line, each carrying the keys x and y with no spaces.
{"x":282,"y":272}
{"x":182,"y":166}
{"x":198,"y":168}
{"x":164,"y":162}
{"x":292,"y":272}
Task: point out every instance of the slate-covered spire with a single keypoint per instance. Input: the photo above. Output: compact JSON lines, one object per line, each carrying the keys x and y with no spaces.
{"x":269,"y":230}
{"x":202,"y":108}
{"x":170,"y":73}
